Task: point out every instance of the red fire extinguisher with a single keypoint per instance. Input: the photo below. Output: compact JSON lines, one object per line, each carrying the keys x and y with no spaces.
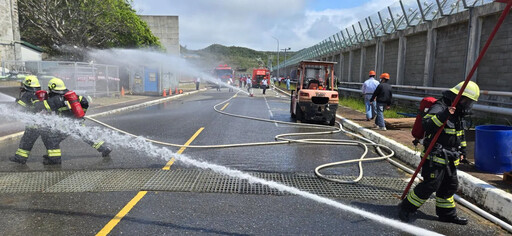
{"x":76,"y":108}
{"x":41,"y":95}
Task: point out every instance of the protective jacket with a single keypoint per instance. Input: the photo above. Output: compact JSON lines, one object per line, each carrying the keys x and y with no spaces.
{"x":452,"y":137}
{"x":28,"y":101}
{"x":58,"y":104}
{"x":439,"y":170}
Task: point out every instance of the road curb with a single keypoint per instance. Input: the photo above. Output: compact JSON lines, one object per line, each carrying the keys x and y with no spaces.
{"x":18,"y":135}
{"x":145,"y":104}
{"x":11,"y":137}
{"x":493,"y":199}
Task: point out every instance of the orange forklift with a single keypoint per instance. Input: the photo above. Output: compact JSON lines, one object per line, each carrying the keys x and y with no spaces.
{"x":315,"y":98}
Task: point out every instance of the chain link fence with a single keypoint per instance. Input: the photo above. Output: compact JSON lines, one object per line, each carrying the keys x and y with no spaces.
{"x":89,"y":79}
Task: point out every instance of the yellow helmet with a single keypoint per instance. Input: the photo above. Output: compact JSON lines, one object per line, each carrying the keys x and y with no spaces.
{"x":56,"y":85}
{"x":31,"y":83}
{"x":472,"y":90}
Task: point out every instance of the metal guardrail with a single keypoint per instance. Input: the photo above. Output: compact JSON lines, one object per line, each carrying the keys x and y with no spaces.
{"x":398,"y":16}
{"x":476,"y":107}
{"x":485,"y":92}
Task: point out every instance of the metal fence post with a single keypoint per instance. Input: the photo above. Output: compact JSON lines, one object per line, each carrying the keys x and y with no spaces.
{"x":405,"y":14}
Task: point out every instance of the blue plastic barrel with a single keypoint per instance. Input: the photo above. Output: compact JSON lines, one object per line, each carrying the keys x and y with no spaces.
{"x":493,"y":148}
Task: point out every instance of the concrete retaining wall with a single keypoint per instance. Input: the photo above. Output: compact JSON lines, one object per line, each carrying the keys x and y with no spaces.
{"x":450,"y":57}
{"x":390,"y":59}
{"x":356,"y":66}
{"x":369,"y":62}
{"x":415,"y":59}
{"x":495,"y":72}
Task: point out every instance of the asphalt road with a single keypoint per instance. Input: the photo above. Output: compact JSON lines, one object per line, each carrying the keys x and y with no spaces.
{"x":199,"y":213}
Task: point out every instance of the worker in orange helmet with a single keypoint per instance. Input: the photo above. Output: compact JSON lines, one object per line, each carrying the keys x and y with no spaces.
{"x":367,"y":90}
{"x":382,"y":97}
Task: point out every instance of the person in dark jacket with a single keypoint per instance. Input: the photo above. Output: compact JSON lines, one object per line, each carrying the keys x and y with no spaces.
{"x":440,"y":168}
{"x":382,"y":96}
{"x":27,"y":101}
{"x":56,"y":103}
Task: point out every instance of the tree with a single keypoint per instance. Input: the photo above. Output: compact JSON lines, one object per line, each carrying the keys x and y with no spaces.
{"x":55,"y":24}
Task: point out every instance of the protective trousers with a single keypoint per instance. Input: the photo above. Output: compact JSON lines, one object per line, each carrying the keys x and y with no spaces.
{"x":53,"y":139}
{"x":27,"y":141}
{"x":437,"y":177}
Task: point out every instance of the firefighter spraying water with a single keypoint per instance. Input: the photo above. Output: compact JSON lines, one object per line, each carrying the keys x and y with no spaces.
{"x":60,"y":101}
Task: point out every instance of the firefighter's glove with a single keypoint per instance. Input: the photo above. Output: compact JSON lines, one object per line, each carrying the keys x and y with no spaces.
{"x":81,"y":121}
{"x":463,"y":160}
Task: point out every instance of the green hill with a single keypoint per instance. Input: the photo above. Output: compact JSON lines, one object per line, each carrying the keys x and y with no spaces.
{"x":240,"y":58}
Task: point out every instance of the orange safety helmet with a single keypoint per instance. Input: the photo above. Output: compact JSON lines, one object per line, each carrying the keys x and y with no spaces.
{"x":384,"y":76}
{"x":372,"y":73}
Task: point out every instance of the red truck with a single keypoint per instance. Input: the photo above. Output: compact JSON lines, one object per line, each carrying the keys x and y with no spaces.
{"x":223,"y":73}
{"x":258,"y":75}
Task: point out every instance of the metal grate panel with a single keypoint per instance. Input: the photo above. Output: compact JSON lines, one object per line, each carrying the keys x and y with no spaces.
{"x":194,"y":180}
{"x":179,"y":180}
{"x":25,"y":182}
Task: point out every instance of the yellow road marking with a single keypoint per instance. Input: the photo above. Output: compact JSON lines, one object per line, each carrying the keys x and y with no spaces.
{"x":168,"y":165}
{"x":112,"y":223}
{"x":222,"y":109}
{"x":235,"y":95}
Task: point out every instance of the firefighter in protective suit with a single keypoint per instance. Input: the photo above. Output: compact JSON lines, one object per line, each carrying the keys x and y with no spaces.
{"x":440,"y":168}
{"x":57,"y":103}
{"x":28,"y":101}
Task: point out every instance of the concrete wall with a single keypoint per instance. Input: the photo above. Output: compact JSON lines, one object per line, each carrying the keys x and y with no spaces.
{"x":390,"y":59}
{"x":495,"y":71}
{"x":450,"y":59}
{"x":369,"y":62}
{"x":415,"y":59}
{"x":166,"y":28}
{"x":9,"y":31}
{"x":356,"y":66}
{"x":346,"y":67}
{"x":29,"y":54}
{"x":438,"y":53}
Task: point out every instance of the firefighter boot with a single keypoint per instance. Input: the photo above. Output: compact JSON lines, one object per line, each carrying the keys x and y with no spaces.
{"x":18,"y":159}
{"x":106,"y":151}
{"x":454,"y":219}
{"x":404,"y":215}
{"x":51,"y":160}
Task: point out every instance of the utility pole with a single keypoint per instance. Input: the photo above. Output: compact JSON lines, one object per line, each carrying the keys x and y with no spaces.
{"x":277,"y":56}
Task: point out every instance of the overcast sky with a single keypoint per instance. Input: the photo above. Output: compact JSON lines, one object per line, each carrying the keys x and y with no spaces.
{"x":252,"y":23}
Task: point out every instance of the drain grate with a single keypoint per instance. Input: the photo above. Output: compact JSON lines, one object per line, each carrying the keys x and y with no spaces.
{"x":194,"y":180}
